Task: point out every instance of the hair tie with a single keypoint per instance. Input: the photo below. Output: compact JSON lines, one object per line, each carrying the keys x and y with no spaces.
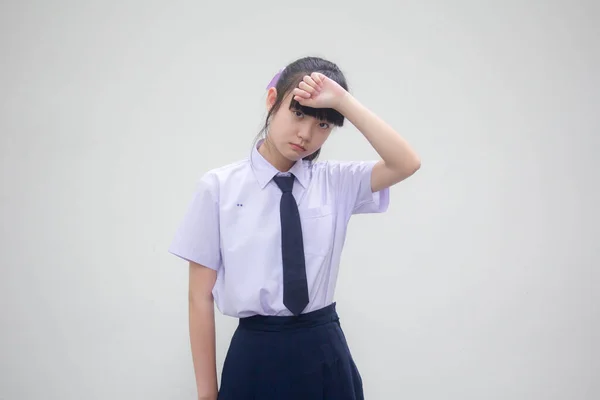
{"x":275,"y":79}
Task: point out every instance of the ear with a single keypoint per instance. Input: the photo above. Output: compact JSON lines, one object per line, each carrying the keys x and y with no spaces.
{"x":271,"y":97}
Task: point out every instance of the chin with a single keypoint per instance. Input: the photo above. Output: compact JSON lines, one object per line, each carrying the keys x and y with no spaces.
{"x":294,"y":156}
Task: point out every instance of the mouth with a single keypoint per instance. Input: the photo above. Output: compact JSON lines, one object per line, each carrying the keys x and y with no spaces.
{"x":297,"y":147}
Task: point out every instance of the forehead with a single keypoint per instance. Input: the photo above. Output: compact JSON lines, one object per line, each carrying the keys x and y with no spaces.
{"x":321,"y":114}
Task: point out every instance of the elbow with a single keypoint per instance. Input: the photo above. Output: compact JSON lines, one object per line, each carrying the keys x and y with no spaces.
{"x":404,"y":164}
{"x":200,"y":297}
{"x":409,"y":167}
{"x":415,"y":163}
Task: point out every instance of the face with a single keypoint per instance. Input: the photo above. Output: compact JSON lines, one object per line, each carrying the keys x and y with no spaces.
{"x":294,"y":134}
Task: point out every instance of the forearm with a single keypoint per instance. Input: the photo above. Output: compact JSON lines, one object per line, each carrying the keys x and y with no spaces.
{"x":391,"y":147}
{"x":202,"y":338}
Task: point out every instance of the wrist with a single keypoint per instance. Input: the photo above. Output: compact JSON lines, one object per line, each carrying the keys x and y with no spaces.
{"x":345,"y":103}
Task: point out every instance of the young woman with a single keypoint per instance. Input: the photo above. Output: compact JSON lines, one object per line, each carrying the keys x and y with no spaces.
{"x":263,"y":238}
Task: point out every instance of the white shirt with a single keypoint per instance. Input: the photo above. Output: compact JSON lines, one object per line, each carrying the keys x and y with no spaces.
{"x":233,"y":226}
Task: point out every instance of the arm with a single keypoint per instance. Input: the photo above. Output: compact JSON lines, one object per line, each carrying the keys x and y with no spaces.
{"x":202,"y":329}
{"x":399,"y":160}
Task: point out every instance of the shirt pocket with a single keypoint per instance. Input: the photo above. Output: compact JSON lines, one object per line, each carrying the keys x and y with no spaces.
{"x":317,"y":229}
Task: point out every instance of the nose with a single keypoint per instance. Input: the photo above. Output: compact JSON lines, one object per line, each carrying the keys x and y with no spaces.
{"x":305,"y":133}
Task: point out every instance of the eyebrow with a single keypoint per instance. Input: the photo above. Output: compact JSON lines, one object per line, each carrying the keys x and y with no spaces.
{"x":293,"y":107}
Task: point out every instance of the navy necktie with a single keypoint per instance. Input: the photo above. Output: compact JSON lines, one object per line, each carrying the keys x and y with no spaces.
{"x":295,"y":286}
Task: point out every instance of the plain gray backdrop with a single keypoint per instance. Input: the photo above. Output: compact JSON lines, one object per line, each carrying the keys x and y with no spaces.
{"x":480,"y":282}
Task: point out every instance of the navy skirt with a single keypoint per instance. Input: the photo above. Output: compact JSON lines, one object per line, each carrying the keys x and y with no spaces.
{"x":302,"y":357}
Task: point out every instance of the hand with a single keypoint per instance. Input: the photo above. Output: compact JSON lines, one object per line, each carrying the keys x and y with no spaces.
{"x":318,"y":91}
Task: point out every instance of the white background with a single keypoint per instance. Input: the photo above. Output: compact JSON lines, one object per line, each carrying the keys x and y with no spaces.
{"x":480,"y":282}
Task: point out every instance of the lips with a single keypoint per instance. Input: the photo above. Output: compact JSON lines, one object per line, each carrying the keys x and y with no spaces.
{"x":298,"y":147}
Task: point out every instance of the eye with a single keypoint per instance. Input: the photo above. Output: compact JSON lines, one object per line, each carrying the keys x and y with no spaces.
{"x":298,"y":114}
{"x":324,"y":125}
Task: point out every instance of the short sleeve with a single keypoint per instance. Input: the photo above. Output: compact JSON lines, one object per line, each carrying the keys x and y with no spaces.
{"x":197,"y":238}
{"x":353,"y":179}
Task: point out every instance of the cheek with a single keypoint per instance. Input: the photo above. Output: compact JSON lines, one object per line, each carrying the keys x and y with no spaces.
{"x":321,"y":137}
{"x":282,"y":125}
{"x":277,"y":128}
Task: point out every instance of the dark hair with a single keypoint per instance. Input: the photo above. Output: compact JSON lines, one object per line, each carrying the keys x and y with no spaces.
{"x":290,"y":78}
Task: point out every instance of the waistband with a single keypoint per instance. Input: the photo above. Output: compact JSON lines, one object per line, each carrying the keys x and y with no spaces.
{"x":273,"y":323}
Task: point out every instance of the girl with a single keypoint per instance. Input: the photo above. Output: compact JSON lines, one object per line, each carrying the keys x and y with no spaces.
{"x":263,"y":238}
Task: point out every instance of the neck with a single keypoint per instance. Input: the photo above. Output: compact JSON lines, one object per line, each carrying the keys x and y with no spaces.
{"x":274,"y":157}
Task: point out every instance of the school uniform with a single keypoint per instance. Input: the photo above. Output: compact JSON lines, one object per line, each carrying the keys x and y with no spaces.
{"x":289,"y":343}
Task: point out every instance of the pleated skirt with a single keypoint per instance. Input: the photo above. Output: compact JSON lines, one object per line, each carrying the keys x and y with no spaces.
{"x":302,"y":357}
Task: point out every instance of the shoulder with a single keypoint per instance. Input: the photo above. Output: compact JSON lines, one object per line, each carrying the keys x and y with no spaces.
{"x":341,"y":169}
{"x":352,"y":181}
{"x":214,"y":179}
{"x":226,"y":172}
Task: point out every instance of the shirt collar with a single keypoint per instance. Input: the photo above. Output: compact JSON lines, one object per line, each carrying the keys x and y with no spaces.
{"x":264,"y":171}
